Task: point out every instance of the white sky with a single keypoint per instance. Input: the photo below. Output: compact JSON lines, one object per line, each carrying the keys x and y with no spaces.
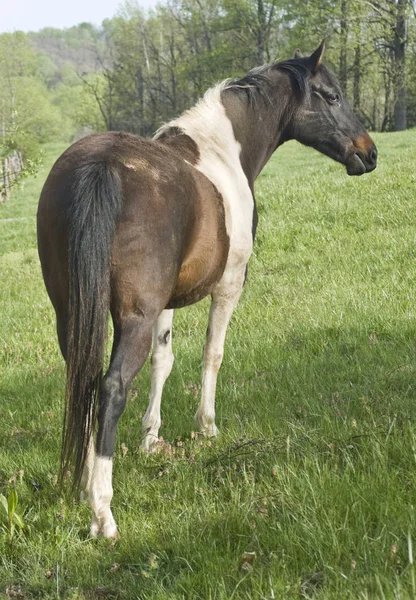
{"x":32,"y":15}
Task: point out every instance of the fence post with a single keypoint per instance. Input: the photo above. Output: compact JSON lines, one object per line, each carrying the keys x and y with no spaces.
{"x":11,"y":166}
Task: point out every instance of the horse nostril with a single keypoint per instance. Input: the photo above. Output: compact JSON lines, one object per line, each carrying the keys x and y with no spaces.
{"x":373,"y":155}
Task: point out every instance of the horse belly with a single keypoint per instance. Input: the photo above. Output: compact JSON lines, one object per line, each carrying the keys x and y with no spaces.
{"x":196,"y":281}
{"x":207,"y":253}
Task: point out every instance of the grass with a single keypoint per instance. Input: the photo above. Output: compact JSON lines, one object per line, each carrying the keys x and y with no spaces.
{"x":314,"y":470}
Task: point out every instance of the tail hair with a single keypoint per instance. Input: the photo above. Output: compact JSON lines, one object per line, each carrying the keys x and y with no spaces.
{"x":93,"y":216}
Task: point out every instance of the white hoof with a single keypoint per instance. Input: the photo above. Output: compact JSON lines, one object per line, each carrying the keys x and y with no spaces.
{"x":206,"y":423}
{"x":95,"y":527}
{"x":210,"y":430}
{"x":107,"y":528}
{"x":149,"y":443}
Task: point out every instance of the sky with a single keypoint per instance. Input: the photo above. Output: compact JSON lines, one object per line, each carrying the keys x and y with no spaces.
{"x":32,"y":15}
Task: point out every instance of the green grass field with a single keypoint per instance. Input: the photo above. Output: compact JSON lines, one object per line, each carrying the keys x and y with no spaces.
{"x":314,"y":470}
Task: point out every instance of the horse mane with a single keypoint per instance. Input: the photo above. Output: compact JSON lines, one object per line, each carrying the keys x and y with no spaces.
{"x":258,"y":79}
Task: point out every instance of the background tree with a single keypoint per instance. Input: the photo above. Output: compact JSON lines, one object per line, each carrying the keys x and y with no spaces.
{"x":140,"y":68}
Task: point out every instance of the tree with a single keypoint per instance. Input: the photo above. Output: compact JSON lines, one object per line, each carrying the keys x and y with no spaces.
{"x":399,"y":52}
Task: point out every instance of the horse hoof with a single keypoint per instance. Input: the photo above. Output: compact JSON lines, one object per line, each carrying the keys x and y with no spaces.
{"x":110,"y":531}
{"x":95,"y":529}
{"x":210,"y":430}
{"x":149,"y":444}
{"x":107,"y":530}
{"x":83,"y":496}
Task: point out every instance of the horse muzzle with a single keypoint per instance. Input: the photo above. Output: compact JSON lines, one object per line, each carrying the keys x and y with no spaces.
{"x":363,"y":158}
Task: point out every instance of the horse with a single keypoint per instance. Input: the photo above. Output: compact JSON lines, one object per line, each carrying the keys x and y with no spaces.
{"x":140,"y":227}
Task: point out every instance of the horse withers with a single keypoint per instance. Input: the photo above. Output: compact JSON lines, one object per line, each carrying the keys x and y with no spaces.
{"x":138,"y":227}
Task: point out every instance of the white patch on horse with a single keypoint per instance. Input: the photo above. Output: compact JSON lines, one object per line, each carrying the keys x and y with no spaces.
{"x":138,"y":163}
{"x":100,"y":495}
{"x":219,"y":160}
{"x":161,"y":366}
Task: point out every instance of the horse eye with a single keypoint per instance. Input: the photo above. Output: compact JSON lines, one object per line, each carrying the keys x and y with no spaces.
{"x":333,"y":98}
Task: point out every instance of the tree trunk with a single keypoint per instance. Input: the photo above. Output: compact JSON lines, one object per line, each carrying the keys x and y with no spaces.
{"x":343,"y":73}
{"x":140,"y":99}
{"x":385,"y":126}
{"x":357,"y":77}
{"x":399,"y":44}
{"x":261,"y":31}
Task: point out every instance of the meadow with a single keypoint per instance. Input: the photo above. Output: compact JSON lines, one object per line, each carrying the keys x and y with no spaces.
{"x":310,"y":490}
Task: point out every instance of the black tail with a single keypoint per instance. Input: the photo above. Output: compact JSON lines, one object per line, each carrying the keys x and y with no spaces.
{"x":94,"y":211}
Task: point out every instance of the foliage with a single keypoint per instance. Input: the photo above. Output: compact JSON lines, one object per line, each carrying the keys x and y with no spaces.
{"x":27,"y":114}
{"x":140,"y":69}
{"x":11,"y":519}
{"x":157,"y":65}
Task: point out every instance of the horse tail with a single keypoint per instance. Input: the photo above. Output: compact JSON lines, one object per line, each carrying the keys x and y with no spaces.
{"x":96,"y":205}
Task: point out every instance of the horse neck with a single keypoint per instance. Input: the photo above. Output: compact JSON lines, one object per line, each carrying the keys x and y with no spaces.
{"x":260,"y":121}
{"x":230,"y":132}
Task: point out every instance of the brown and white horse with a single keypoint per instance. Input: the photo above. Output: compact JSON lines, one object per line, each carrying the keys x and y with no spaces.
{"x":140,"y":227}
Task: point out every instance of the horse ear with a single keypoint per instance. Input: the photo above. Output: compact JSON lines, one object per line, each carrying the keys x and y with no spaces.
{"x":315,"y":58}
{"x":297,"y":53}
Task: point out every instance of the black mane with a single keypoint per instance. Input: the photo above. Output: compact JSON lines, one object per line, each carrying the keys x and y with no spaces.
{"x":259,"y":80}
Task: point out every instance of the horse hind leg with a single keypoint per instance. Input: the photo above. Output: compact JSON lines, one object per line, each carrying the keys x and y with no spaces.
{"x":161,"y":366}
{"x":89,"y":461}
{"x":129,"y":354}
